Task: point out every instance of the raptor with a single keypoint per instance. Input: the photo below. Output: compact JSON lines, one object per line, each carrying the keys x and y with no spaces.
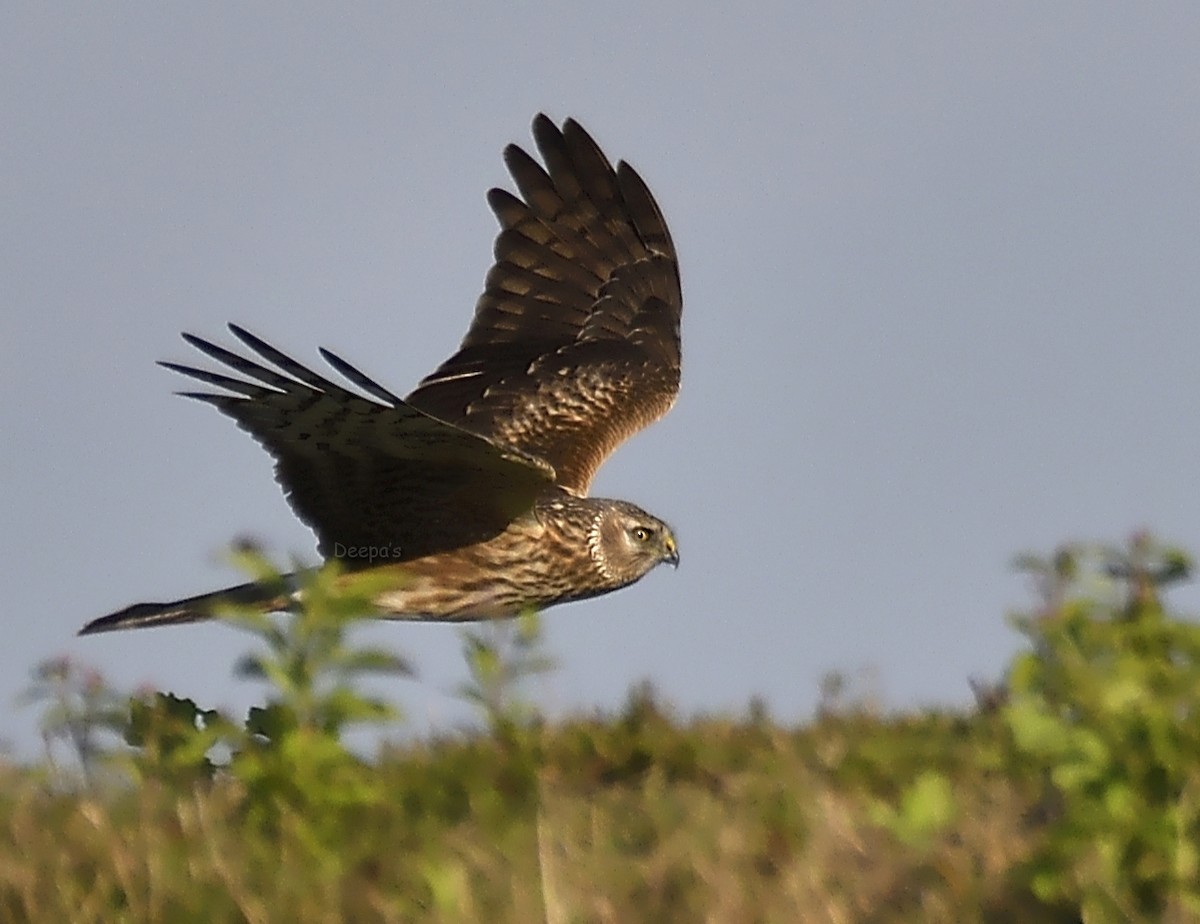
{"x":471,"y":493}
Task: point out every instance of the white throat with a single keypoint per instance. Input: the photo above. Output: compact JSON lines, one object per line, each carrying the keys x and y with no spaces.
{"x":596,"y":549}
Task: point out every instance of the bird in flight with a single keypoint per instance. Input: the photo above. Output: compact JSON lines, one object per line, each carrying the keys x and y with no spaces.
{"x":473,"y":490}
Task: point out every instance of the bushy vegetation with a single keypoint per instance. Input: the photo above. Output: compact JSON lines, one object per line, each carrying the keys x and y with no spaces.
{"x":1072,"y":792}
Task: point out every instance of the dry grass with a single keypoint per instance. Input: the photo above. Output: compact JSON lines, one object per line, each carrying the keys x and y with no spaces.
{"x":626,"y":821}
{"x":1075,"y":781}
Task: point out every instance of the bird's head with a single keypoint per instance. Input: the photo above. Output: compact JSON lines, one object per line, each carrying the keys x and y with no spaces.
{"x":627,"y":542}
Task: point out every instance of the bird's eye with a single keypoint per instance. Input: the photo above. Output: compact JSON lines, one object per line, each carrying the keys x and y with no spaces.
{"x":641,"y":534}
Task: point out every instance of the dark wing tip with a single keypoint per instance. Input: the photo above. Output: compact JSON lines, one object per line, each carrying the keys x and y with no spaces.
{"x":645,"y":211}
{"x":547,"y":135}
{"x":213,"y":351}
{"x":198,"y":342}
{"x":572,"y":129}
{"x":503,"y":203}
{"x":257,"y":344}
{"x":358,"y":377}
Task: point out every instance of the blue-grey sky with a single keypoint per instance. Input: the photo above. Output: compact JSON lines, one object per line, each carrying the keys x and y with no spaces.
{"x":942,"y":304}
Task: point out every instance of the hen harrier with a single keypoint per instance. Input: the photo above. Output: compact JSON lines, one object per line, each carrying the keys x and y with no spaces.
{"x":473,"y":489}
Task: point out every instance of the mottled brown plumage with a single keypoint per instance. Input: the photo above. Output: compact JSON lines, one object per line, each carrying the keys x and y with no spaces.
{"x":472,"y":490}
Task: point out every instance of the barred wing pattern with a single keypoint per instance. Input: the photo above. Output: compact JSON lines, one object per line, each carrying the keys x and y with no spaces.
{"x":573,"y":348}
{"x":476,"y":481}
{"x":575,"y":342}
{"x":376,"y":474}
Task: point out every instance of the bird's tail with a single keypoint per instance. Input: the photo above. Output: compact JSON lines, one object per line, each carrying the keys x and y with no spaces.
{"x":193,"y":609}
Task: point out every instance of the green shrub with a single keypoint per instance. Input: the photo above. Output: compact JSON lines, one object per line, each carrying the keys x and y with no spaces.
{"x":1071,"y":794}
{"x":1106,"y":707}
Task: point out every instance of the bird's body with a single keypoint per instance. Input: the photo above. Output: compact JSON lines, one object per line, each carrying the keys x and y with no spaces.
{"x":522,"y":568}
{"x":471,"y":492}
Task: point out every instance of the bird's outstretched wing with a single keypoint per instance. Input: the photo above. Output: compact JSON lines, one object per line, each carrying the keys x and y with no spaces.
{"x":375,"y":479}
{"x":575,"y":342}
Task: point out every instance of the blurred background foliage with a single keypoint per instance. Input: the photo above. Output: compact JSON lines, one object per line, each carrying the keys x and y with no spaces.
{"x":1070,"y":793}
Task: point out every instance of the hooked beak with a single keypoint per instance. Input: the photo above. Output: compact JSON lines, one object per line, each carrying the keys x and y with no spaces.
{"x":671,"y":552}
